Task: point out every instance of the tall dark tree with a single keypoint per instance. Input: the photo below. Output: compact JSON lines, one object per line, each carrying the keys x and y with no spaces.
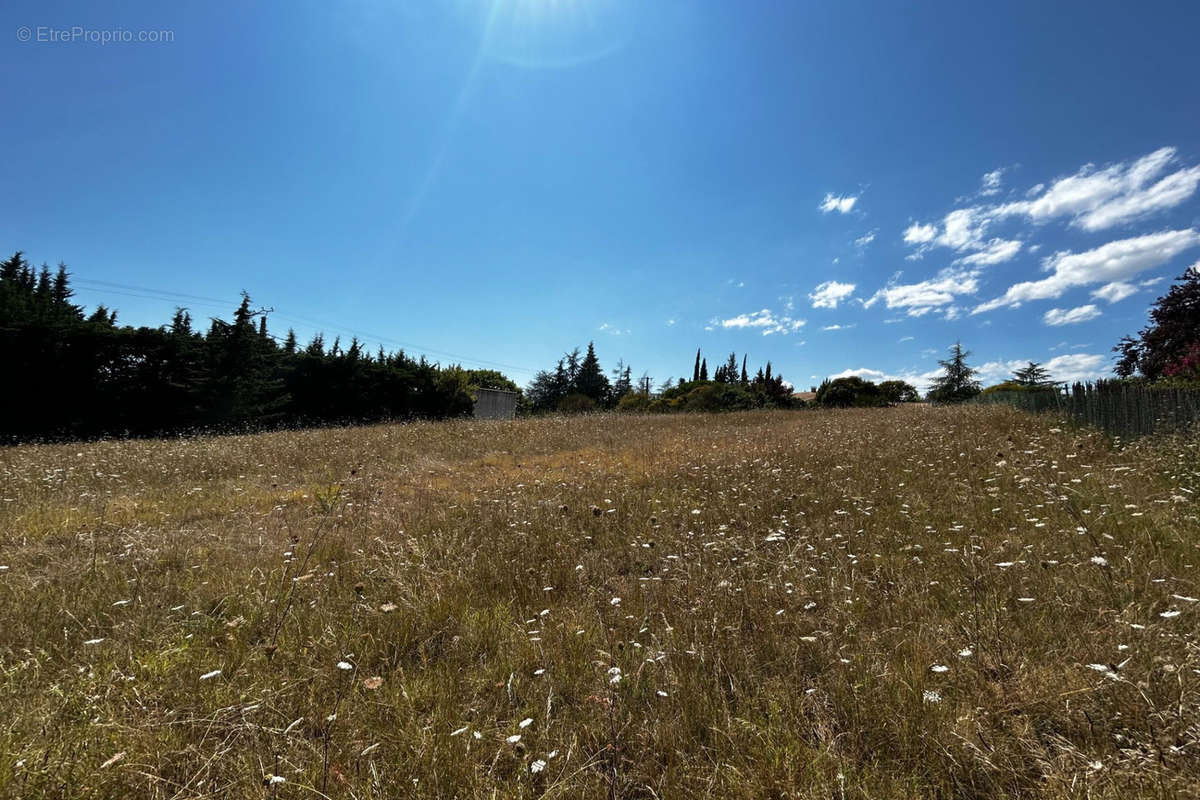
{"x":957,"y":381}
{"x":745,"y":378}
{"x":590,"y":381}
{"x":1174,"y":330}
{"x":1033,"y":375}
{"x":729,"y":374}
{"x":695,"y":370}
{"x":622,"y":381}
{"x":703,"y":370}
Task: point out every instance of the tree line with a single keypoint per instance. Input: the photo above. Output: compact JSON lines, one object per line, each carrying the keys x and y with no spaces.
{"x":76,"y":375}
{"x":73,"y":374}
{"x":578,"y":383}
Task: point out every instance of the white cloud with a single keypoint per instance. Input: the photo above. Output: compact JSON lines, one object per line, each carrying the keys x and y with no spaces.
{"x":1072,"y":316}
{"x":920,"y":234}
{"x":991,"y":182}
{"x":1099,"y":199}
{"x":671,"y":322}
{"x":921,"y":380}
{"x":906,"y":339}
{"x":763,"y":320}
{"x":865,"y":239}
{"x":830,"y":293}
{"x":839,"y":203}
{"x":1115,"y":292}
{"x":1091,"y":199}
{"x":1063,"y":369}
{"x":997,"y":251}
{"x":963,"y":229}
{"x":918,"y":299}
{"x":613,"y":330}
{"x":838,"y":327}
{"x":1115,"y":261}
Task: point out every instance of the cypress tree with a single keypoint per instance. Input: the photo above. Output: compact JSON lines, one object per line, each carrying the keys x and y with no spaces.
{"x":704,"y":370}
{"x":730,"y":373}
{"x":695,"y":370}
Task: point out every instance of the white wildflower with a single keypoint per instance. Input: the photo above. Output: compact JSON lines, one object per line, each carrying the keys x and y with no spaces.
{"x":939,"y":668}
{"x":212,"y":674}
{"x":516,"y":737}
{"x":537,"y":766}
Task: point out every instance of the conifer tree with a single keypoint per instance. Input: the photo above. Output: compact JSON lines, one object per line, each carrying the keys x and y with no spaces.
{"x":1033,"y":375}
{"x":704,"y":370}
{"x":957,"y":382}
{"x":590,"y":380}
{"x":730,"y":373}
{"x":695,"y":370}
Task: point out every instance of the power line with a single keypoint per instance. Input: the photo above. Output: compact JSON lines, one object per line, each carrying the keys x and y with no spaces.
{"x":146,"y":292}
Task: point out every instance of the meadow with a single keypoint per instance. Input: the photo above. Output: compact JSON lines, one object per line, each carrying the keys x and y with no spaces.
{"x":911,"y":602}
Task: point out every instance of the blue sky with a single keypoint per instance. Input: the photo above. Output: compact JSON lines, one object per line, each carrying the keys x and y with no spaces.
{"x":831,"y":186}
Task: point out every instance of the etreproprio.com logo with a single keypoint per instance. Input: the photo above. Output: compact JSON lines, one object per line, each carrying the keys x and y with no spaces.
{"x":79,"y":34}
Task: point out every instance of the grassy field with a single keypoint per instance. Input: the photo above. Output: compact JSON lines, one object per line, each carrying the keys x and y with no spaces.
{"x":896,"y":603}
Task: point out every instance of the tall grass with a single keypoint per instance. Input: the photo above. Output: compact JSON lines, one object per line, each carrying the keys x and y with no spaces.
{"x":901,"y":603}
{"x":1121,"y":408}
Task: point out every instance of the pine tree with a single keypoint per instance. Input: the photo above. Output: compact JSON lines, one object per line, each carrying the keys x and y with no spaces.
{"x":181,"y":323}
{"x":590,"y":380}
{"x":44,"y":291}
{"x":958,"y":382}
{"x":11,"y":268}
{"x":745,"y":377}
{"x":1033,"y":375}
{"x":573,"y":366}
{"x":731,"y":369}
{"x":62,"y":291}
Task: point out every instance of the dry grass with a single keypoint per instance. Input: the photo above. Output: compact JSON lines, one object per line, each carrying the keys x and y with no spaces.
{"x":790,"y":587}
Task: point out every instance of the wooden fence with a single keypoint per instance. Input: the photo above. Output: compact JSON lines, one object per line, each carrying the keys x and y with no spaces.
{"x":1121,"y":408}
